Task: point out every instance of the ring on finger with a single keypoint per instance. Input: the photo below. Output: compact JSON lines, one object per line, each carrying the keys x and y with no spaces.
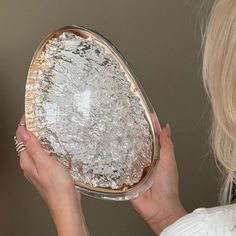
{"x":21,"y":124}
{"x":19,"y":146}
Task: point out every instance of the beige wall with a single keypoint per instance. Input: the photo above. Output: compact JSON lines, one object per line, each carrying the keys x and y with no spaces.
{"x":160,"y":39}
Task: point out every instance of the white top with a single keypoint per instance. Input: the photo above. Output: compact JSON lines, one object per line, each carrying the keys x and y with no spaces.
{"x":217,"y":221}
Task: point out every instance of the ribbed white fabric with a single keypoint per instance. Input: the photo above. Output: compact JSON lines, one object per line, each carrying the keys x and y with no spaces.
{"x":217,"y":221}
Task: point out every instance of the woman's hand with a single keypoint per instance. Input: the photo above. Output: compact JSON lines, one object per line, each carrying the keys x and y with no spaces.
{"x":160,"y":206}
{"x":54,"y":183}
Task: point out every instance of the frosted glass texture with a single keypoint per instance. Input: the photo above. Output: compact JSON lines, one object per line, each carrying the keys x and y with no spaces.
{"x":85,"y":105}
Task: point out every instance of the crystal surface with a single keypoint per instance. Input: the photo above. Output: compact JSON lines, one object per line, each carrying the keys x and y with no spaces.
{"x":87,"y":113}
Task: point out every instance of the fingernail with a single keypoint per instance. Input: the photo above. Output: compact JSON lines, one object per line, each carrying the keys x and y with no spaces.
{"x":24,"y":135}
{"x":168,"y":129}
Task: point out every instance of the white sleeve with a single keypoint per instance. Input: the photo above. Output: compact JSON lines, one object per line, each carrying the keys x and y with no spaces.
{"x":192,"y":224}
{"x":217,"y":221}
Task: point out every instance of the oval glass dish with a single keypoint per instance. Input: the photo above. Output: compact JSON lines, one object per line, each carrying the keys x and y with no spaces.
{"x":84,"y":103}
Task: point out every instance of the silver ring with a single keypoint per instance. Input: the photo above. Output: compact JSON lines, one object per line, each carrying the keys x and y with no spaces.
{"x":19,"y":146}
{"x":21,"y":124}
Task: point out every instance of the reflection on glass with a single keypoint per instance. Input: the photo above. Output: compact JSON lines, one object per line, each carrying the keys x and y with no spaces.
{"x":84,"y":103}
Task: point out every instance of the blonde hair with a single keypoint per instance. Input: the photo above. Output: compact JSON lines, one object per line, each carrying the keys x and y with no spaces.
{"x":219,"y":76}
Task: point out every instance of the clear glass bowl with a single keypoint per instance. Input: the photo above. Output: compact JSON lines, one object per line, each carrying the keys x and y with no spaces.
{"x":60,"y":105}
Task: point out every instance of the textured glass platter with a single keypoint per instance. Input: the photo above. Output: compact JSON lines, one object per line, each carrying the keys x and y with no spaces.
{"x":86,"y":106}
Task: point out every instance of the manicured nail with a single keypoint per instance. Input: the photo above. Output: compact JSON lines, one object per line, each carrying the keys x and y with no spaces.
{"x":24,"y":134}
{"x":168,"y":129}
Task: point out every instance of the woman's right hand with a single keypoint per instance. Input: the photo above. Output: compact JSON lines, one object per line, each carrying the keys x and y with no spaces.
{"x":160,"y":205}
{"x":54,"y":183}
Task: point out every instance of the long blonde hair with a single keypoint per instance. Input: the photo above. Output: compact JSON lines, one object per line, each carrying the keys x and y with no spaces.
{"x":219,"y":76}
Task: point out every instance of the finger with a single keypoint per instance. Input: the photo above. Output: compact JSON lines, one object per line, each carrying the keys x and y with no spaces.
{"x":21,"y":126}
{"x":22,"y":120}
{"x":27,"y":176}
{"x":166,"y":172}
{"x":167,"y":153}
{"x":26,"y":163}
{"x":32,"y":144}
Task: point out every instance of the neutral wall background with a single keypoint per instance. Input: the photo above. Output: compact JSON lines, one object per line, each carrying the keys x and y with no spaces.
{"x":161,"y":41}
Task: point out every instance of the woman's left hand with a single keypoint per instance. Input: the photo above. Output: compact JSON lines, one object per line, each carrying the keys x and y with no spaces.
{"x":160,"y":205}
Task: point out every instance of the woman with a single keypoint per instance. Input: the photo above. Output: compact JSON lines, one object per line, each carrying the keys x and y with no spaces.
{"x":160,"y":206}
{"x":219,"y":74}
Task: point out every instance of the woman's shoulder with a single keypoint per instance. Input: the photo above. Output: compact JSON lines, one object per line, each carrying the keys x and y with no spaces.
{"x":215,"y":221}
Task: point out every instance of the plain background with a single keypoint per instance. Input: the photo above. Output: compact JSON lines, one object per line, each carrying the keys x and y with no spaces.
{"x":161,"y":41}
